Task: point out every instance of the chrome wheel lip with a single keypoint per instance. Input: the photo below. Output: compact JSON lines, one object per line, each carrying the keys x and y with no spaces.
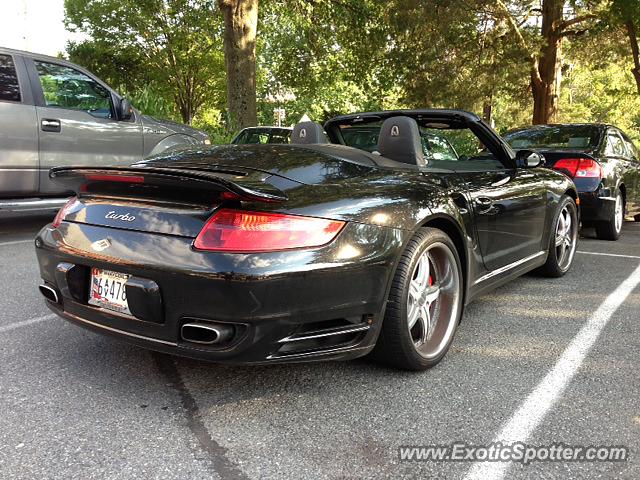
{"x":619,"y":213}
{"x":433,"y":300}
{"x":566,"y":238}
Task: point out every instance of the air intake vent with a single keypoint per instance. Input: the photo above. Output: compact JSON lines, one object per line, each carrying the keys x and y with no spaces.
{"x":328,"y":335}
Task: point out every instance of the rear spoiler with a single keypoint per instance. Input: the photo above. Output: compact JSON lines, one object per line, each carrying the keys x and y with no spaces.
{"x":231,"y":183}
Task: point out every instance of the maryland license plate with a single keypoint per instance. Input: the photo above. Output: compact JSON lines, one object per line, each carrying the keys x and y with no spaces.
{"x":107,"y":290}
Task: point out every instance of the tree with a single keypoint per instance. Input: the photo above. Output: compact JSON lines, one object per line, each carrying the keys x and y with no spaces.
{"x":323,"y":57}
{"x":543,"y":49}
{"x":240,"y":27}
{"x":627,"y":13}
{"x":176,"y":43}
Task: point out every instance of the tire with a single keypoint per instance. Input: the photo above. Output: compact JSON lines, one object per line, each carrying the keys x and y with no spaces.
{"x":564,"y":239}
{"x":428,"y":283}
{"x":611,"y":229}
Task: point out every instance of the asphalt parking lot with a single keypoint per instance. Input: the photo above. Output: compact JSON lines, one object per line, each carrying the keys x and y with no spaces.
{"x":78,"y":405}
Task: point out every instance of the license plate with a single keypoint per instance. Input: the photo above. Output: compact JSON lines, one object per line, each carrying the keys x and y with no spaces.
{"x":107,"y":290}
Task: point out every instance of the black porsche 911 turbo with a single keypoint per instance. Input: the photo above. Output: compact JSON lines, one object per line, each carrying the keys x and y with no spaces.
{"x":315,"y":250}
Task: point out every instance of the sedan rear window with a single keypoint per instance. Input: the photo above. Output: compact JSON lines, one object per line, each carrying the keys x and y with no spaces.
{"x":568,"y":137}
{"x":9,"y":88}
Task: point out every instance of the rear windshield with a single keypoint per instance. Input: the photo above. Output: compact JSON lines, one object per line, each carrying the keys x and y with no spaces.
{"x":568,"y":137}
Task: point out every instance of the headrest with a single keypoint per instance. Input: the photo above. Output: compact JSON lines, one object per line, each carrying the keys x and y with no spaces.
{"x":308,"y":132}
{"x":399,"y":140}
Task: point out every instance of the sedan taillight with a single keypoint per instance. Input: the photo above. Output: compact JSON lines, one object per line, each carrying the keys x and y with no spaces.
{"x":63,"y":212}
{"x":238,"y":231}
{"x":579,"y":167}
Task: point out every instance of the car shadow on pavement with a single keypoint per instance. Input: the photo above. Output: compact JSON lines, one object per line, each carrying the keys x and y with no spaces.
{"x":23,"y":224}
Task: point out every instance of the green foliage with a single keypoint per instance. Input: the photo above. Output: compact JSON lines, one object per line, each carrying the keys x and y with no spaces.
{"x":152,"y":103}
{"x":325,"y":57}
{"x":211,"y":121}
{"x":606,"y":95}
{"x":171,"y":46}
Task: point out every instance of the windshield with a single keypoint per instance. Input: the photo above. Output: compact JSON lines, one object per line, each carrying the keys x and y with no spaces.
{"x":444,"y":146}
{"x":561,"y":137}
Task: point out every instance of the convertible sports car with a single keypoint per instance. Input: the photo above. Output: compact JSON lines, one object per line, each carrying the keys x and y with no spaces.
{"x":315,"y":250}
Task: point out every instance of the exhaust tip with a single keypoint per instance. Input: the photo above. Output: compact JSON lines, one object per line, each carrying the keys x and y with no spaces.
{"x":49,"y":293}
{"x":206,"y":333}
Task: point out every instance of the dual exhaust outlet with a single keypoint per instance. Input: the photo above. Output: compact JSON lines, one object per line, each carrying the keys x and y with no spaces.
{"x":203,"y":333}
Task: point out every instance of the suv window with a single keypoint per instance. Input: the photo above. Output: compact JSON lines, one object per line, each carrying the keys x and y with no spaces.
{"x":66,"y":87}
{"x":9,"y":88}
{"x":615,"y":146}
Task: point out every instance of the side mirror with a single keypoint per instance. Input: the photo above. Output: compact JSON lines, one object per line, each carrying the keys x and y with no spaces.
{"x":125,"y":112}
{"x":529,"y":159}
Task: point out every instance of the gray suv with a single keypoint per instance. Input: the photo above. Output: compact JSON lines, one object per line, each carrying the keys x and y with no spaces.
{"x":53,"y":113}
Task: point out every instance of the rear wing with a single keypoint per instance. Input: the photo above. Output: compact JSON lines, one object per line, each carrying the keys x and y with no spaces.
{"x":169,"y":183}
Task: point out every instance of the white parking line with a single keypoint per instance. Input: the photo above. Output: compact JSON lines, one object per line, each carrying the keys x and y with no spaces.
{"x":609,"y":254}
{"x":527,"y":418}
{"x":15,"y":242}
{"x":25,"y":323}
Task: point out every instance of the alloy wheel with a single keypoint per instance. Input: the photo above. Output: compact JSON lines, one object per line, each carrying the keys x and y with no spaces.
{"x":433,"y":300}
{"x":566,"y":238}
{"x":619,"y":213}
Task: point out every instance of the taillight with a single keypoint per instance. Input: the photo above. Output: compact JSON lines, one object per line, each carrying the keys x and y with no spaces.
{"x":64,"y":211}
{"x":238,"y":231}
{"x":579,"y":167}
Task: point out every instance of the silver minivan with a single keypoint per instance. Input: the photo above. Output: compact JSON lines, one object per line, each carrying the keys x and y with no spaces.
{"x":54,"y":113}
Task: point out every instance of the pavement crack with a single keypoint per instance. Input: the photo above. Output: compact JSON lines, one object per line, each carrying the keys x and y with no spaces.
{"x":217,"y":454}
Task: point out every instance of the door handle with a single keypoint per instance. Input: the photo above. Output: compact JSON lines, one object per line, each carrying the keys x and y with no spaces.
{"x":50,"y":125}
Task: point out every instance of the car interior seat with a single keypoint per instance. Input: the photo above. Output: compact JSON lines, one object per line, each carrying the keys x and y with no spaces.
{"x":305,"y":133}
{"x":400,"y":140}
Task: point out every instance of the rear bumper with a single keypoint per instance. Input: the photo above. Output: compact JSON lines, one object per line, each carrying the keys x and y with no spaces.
{"x":324,"y":303}
{"x":598,"y":206}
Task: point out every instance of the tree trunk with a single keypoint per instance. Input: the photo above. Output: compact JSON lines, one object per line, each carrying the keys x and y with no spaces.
{"x":240,"y":25}
{"x":633,"y":39}
{"x":544,"y":84}
{"x":487,"y":109}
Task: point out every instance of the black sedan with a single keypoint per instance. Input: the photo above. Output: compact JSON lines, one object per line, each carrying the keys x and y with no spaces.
{"x":603,"y":162}
{"x":315,"y":250}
